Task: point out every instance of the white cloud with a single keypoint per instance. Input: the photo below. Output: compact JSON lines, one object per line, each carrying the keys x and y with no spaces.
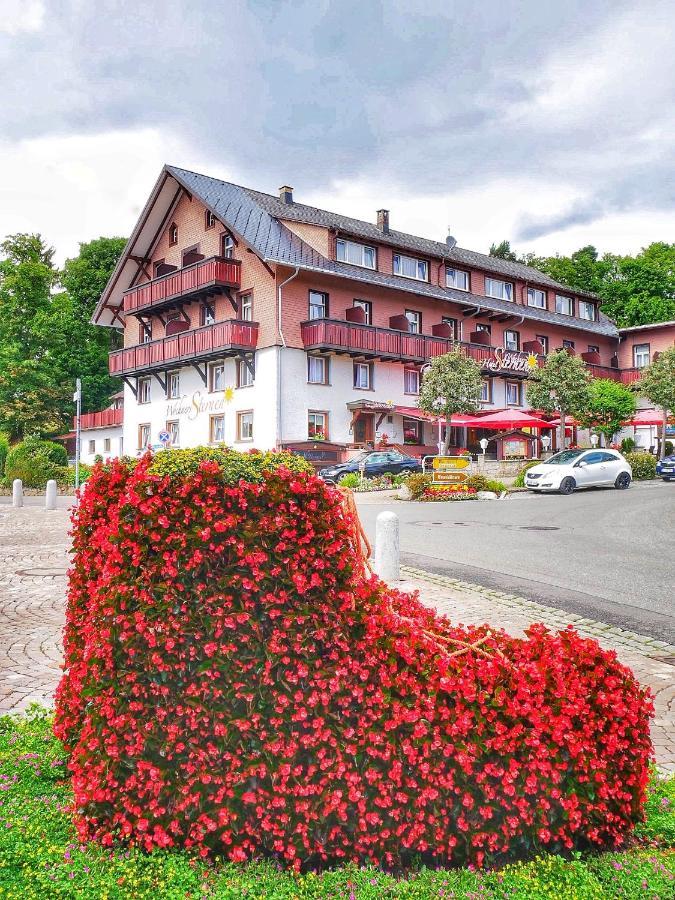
{"x":18,"y":16}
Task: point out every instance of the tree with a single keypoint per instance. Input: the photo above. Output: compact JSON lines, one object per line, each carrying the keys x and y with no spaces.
{"x":609,"y":404}
{"x":503,"y":251}
{"x":452,"y":384}
{"x":657,"y":384}
{"x":561,"y":386}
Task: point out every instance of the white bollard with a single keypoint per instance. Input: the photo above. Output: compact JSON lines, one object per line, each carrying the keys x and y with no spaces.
{"x":387,"y":547}
{"x":17,"y":493}
{"x":50,"y":495}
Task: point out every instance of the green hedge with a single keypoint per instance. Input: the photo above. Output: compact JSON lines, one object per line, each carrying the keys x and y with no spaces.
{"x":35,"y":461}
{"x":40,"y":856}
{"x":520,"y":477}
{"x":642,"y":464}
{"x":4,"y":450}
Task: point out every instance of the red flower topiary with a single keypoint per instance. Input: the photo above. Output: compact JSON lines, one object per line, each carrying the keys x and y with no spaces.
{"x":235,"y":683}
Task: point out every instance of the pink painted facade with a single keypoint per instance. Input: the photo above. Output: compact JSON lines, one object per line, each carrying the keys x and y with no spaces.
{"x":638,"y":345}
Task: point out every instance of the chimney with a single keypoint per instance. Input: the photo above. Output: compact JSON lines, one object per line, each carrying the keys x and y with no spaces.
{"x":286,"y":194}
{"x":383,"y":220}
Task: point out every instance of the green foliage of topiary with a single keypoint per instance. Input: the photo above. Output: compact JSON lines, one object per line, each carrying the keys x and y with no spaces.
{"x":417,"y":485}
{"x":234,"y":466}
{"x":350,"y":480}
{"x":668,"y":449}
{"x":520,"y":477}
{"x":35,"y":462}
{"x":4,"y":450}
{"x":627,"y":445}
{"x":642,"y":464}
{"x":483,"y":483}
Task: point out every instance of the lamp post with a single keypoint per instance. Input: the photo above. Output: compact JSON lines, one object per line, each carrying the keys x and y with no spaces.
{"x":545,"y":442}
{"x":439,"y":403}
{"x":77,"y":397}
{"x":483,"y":445}
{"x":594,"y":441}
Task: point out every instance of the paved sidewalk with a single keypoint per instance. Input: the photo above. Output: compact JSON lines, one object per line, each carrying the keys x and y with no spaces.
{"x":34,"y":557}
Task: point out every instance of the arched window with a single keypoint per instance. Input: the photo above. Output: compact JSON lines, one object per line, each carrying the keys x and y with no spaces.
{"x":209,"y":219}
{"x":173,"y":234}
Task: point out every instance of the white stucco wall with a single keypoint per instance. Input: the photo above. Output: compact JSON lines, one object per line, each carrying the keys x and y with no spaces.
{"x":99,"y":436}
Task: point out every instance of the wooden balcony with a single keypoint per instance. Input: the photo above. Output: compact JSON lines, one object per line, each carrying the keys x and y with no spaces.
{"x":200,"y":280}
{"x":202,"y":344}
{"x":102,"y":419}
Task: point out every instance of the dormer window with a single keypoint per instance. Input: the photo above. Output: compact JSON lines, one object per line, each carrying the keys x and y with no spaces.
{"x":456,"y":278}
{"x":587,"y":310}
{"x":355,"y":254}
{"x":209,"y":219}
{"x":500,"y":290}
{"x":409,"y":267}
{"x":173,"y":234}
{"x":564,"y":305}
{"x":536,"y":298}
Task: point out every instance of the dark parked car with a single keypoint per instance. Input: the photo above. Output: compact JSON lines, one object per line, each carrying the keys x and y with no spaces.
{"x":666,"y":467}
{"x":375,"y":462}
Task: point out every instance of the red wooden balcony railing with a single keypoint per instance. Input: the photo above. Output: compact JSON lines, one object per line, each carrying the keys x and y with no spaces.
{"x":101,"y":419}
{"x":625,"y":376}
{"x":202,"y":343}
{"x":213,"y":273}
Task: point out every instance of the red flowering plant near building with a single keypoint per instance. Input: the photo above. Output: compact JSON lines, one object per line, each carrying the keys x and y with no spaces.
{"x":451,"y":492}
{"x":236,"y":683}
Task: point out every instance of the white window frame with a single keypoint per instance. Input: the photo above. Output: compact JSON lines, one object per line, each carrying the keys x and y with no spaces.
{"x":244,"y":426}
{"x":92,"y":446}
{"x":563,"y":300}
{"x":173,"y":428}
{"x":366,"y":306}
{"x":106,"y":445}
{"x":503,"y":292}
{"x":323,"y":365}
{"x":213,"y":428}
{"x":323,"y":429}
{"x":451,"y":279}
{"x":145,"y":390}
{"x":421,"y":267}
{"x":208,"y":316}
{"x":215,"y":370}
{"x":227,"y":246}
{"x":519,"y":395}
{"x":355,"y":254}
{"x":359,"y":369}
{"x":543,"y":340}
{"x":411,"y":382}
{"x":586,"y":306}
{"x":245,"y":378}
{"x":246,"y":306}
{"x":507,"y":342}
{"x":313,"y":305}
{"x":536,"y":294}
{"x":144,"y":434}
{"x":173,"y":386}
{"x":146,"y":332}
{"x":486,"y":391}
{"x":455,"y":325}
{"x":414,"y":316}
{"x":641,"y":356}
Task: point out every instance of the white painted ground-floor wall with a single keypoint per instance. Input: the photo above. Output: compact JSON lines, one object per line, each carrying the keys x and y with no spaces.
{"x":101,"y":442}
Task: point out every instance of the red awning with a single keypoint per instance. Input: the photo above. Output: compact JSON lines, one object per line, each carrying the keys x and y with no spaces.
{"x":413,"y":412}
{"x":569,"y":421}
{"x":647,"y":417}
{"x":509,"y":418}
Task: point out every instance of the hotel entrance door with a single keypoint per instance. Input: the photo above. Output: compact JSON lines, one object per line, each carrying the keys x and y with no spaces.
{"x":364,"y":428}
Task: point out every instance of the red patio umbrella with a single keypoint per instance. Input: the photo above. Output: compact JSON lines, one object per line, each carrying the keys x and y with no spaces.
{"x":509,"y":418}
{"x":569,"y":421}
{"x":646,"y":417}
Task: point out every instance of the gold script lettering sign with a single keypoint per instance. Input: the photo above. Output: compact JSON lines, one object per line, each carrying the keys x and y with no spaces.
{"x":510,"y":361}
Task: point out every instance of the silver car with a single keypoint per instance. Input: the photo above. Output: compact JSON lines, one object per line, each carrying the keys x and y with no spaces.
{"x":571,"y":469}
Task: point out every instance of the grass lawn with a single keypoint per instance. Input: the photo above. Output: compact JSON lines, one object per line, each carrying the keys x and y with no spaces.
{"x":40,"y":858}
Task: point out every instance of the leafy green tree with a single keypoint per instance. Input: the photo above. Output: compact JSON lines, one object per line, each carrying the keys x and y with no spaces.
{"x":609,"y":404}
{"x":561,"y":386}
{"x":503,"y":250}
{"x":452,"y":384}
{"x":657,"y":384}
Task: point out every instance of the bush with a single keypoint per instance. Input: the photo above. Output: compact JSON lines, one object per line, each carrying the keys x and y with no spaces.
{"x":642,"y":464}
{"x":350,"y":480}
{"x":669,"y":449}
{"x":66,"y":475}
{"x":236,"y":684}
{"x":4,"y":449}
{"x":417,"y":485}
{"x":35,"y":462}
{"x":520,"y":477}
{"x":627,"y":445}
{"x":482,"y":483}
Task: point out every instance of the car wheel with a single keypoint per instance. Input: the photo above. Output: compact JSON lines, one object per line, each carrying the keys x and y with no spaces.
{"x":567,"y":485}
{"x":622,"y":481}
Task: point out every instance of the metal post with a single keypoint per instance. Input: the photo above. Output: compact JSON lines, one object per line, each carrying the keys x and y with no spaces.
{"x":77,"y":397}
{"x":17,"y":493}
{"x":50,"y":495}
{"x":387,"y":549}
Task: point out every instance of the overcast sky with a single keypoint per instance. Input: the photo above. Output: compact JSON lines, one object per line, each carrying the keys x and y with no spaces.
{"x":549,"y":123}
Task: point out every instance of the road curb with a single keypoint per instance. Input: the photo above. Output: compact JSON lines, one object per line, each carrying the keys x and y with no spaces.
{"x":549,"y":615}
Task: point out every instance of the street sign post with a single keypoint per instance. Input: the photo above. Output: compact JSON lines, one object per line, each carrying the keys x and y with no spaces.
{"x":164,"y":438}
{"x":449,"y":470}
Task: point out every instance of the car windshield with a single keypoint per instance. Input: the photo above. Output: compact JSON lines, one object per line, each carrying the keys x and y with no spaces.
{"x":563,"y":458}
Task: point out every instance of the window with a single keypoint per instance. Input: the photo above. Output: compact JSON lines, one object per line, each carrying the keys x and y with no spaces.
{"x":543,"y":340}
{"x":106,"y":445}
{"x":456,"y":278}
{"x":318,"y":305}
{"x":356,"y":254}
{"x":217,"y":429}
{"x":174,"y":433}
{"x":500,"y":290}
{"x":587,"y":310}
{"x":173,"y":234}
{"x":593,"y":348}
{"x":209,"y":219}
{"x":367,"y":307}
{"x":454,"y":326}
{"x":317,"y":425}
{"x":411,"y":381}
{"x":227,"y":246}
{"x":92,"y":446}
{"x":143,"y":436}
{"x":415,"y":319}
{"x":513,"y":393}
{"x":217,"y":377}
{"x":245,"y":426}
{"x":145,"y":332}
{"x":317,"y":369}
{"x":363,"y":376}
{"x":568,"y":345}
{"x":412,"y":431}
{"x":640,"y":355}
{"x":410,"y":267}
{"x":486,"y":391}
{"x":511,"y":340}
{"x":480,"y":326}
{"x":144,"y":390}
{"x":207,"y":315}
{"x":173,"y":385}
{"x":564,"y":305}
{"x":537,"y":298}
{"x":246,"y":307}
{"x":245,"y":373}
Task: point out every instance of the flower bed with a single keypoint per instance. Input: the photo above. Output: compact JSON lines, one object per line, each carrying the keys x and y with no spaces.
{"x":236,"y":684}
{"x":452,"y":492}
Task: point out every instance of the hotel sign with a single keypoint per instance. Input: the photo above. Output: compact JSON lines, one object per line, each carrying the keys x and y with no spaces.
{"x":510,"y":361}
{"x":196,"y":405}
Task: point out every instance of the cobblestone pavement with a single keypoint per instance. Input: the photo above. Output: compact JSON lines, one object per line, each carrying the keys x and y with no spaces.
{"x":33,"y":561}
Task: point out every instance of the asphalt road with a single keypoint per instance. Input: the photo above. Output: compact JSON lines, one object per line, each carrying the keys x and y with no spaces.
{"x":602,"y":554}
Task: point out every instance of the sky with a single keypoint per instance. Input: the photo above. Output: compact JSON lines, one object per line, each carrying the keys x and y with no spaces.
{"x":549,"y":124}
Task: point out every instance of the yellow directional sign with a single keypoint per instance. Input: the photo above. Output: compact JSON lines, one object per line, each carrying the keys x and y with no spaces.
{"x":447,"y":470}
{"x":450,"y":462}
